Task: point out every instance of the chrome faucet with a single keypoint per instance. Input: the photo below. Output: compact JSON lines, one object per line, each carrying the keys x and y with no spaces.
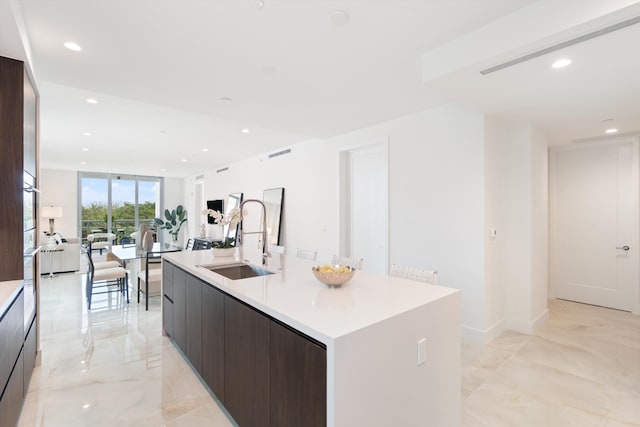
{"x":265,"y":250}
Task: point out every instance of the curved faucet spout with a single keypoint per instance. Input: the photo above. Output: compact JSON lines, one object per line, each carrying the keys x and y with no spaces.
{"x":265,"y":246}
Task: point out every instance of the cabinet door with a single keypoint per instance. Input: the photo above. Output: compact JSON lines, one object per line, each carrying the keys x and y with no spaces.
{"x":213,"y":339}
{"x":167,"y":279}
{"x":167,"y":315}
{"x":12,"y":399}
{"x":30,"y":124}
{"x":194,"y":322}
{"x":180,"y":309}
{"x":30,"y":349}
{"x":246,"y":359}
{"x":298,"y":379}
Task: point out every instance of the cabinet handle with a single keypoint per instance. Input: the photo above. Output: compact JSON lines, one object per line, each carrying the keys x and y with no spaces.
{"x":624,"y":248}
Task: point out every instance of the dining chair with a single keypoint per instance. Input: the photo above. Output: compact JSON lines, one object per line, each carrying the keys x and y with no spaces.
{"x":100,"y":241}
{"x":106,"y":280}
{"x":412,"y":273}
{"x":306,"y":254}
{"x":112,"y":261}
{"x":189,"y":245}
{"x":152,"y":275}
{"x":201,"y":244}
{"x":348,"y":261}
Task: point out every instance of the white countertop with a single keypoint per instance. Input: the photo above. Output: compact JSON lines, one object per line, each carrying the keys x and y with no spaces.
{"x":8,"y":291}
{"x":294,"y":296}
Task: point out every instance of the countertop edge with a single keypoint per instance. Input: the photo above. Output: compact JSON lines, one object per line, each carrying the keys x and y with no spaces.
{"x":8,"y":292}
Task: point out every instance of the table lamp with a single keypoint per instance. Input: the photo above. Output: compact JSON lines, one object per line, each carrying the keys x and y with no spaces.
{"x":51,"y":212}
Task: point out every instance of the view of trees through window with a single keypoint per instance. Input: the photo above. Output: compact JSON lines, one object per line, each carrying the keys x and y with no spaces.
{"x":95,"y":204}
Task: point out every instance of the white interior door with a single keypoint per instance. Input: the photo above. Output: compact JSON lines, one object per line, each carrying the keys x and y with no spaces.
{"x":593,"y":218}
{"x":369,"y":206}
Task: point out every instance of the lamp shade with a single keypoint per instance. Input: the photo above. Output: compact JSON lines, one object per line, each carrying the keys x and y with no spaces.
{"x":51,"y":212}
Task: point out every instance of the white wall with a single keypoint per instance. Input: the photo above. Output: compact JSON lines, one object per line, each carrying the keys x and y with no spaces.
{"x":517,"y":207}
{"x":60,"y":188}
{"x":436,"y":195}
{"x":540,"y":230}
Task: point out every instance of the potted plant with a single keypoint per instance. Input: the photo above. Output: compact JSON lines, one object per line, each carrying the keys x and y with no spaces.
{"x":225,"y":247}
{"x":174,"y":220}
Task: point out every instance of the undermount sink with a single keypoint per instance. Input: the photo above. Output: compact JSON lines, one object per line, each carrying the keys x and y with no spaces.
{"x":237,"y":271}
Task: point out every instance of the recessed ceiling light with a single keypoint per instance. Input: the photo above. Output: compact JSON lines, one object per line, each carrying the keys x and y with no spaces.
{"x":561,"y":63}
{"x":163,"y":131}
{"x":85,"y":149}
{"x":92,"y":101}
{"x":72,"y":46}
{"x":225,"y":99}
{"x":205,"y":149}
{"x":183,"y":160}
{"x":87,"y":134}
{"x":83,"y":163}
{"x":245,"y":130}
{"x":258,"y":4}
{"x":338,"y":18}
{"x":611,"y":130}
{"x":163,"y":170}
{"x":86,"y":406}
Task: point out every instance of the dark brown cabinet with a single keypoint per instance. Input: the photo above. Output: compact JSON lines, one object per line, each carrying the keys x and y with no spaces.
{"x":12,"y":364}
{"x":180,"y":309}
{"x":264,"y":372}
{"x":213,"y":367}
{"x":246,"y":362}
{"x":11,"y":163}
{"x":298,"y":377}
{"x":167,"y":298}
{"x":194,"y":322}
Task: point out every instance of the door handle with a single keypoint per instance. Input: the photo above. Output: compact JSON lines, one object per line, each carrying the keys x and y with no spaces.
{"x":624,"y":248}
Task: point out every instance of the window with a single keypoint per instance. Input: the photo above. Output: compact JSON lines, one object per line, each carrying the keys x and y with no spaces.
{"x":118,"y":204}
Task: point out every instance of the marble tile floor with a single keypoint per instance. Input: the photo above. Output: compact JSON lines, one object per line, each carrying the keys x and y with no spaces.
{"x":113,"y":367}
{"x":110,"y":366}
{"x":581,"y":369}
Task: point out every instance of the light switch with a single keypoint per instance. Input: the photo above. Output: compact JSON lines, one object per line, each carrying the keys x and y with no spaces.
{"x":422,"y":351}
{"x":493,"y":233}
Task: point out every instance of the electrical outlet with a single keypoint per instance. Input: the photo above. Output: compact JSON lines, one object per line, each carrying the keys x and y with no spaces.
{"x":422,"y":351}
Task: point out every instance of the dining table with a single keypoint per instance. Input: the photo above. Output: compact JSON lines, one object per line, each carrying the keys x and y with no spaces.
{"x":129,"y":252}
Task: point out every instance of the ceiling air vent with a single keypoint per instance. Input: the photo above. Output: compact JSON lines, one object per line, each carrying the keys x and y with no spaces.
{"x":222,"y":170}
{"x":199,"y":177}
{"x":280,"y":153}
{"x":571,"y":42}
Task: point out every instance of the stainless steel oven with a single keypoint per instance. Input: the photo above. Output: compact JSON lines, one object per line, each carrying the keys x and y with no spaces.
{"x":30,"y":248}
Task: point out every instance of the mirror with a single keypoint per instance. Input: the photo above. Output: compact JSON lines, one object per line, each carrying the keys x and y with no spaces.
{"x":234,"y":201}
{"x":273,"y":199}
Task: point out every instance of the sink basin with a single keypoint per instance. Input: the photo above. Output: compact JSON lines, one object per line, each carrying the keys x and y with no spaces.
{"x":237,"y":271}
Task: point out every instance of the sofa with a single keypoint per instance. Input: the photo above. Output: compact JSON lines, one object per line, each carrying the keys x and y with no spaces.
{"x":67,"y":259}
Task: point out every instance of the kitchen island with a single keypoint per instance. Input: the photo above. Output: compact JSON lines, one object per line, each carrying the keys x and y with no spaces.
{"x":284,"y":349}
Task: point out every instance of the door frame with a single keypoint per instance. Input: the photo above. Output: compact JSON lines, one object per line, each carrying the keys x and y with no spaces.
{"x":345,"y":244}
{"x":635,"y":234}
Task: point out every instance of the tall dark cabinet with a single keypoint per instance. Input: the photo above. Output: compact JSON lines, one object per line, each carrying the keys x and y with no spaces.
{"x":12,"y":167}
{"x":19,"y":230}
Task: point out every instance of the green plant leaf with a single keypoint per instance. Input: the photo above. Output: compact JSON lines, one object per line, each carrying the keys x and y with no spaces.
{"x":167,"y":214}
{"x":158,"y":221}
{"x":180,"y":210}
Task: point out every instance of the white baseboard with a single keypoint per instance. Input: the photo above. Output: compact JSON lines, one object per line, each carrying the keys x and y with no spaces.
{"x":482,"y":337}
{"x":479,"y":336}
{"x":528,"y":327}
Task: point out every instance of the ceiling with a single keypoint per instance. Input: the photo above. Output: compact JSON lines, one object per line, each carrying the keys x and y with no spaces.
{"x":175,"y":77}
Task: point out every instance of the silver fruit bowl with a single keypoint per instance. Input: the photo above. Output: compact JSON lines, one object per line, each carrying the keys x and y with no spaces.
{"x":335,"y":275}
